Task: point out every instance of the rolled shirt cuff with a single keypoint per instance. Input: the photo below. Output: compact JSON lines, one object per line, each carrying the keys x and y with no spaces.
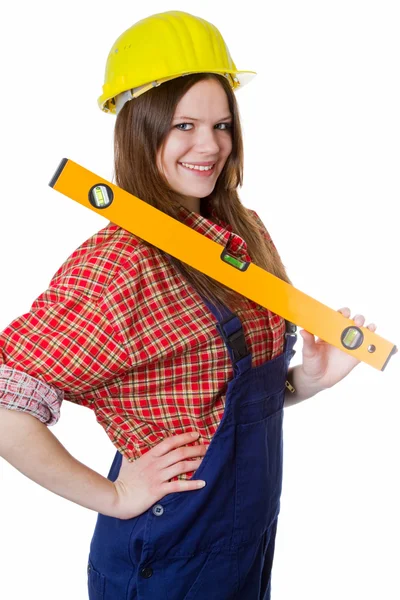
{"x":20,"y":391}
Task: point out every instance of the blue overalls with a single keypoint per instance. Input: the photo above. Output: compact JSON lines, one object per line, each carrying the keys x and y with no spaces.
{"x":215,"y":543}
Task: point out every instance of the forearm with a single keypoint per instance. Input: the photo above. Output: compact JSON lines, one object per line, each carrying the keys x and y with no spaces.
{"x":304,"y":388}
{"x":29,"y":446}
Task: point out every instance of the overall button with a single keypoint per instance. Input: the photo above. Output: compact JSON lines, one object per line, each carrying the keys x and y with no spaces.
{"x":157,"y":510}
{"x":146,"y":572}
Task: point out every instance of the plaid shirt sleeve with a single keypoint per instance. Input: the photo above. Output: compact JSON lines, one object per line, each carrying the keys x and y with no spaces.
{"x":65,"y":344}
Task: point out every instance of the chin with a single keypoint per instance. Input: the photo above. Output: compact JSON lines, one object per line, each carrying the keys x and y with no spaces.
{"x":205,"y":190}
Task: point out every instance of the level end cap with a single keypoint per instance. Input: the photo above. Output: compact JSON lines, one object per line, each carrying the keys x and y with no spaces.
{"x":58,"y":172}
{"x":394,"y":351}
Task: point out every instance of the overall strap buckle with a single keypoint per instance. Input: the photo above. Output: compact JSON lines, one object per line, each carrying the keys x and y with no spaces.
{"x":291,"y":328}
{"x":235,"y":340}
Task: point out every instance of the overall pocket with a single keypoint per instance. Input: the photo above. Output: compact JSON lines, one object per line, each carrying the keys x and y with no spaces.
{"x":259,"y":458}
{"x":212,"y":575}
{"x":96,"y":583}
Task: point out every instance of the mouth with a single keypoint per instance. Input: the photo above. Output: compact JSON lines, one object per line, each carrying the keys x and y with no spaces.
{"x":204,"y":173}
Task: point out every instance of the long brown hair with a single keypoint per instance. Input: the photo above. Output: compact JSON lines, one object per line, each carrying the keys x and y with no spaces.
{"x":140,"y":130}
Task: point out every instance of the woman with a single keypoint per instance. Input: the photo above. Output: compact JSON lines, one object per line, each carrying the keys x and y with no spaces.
{"x":159,"y":350}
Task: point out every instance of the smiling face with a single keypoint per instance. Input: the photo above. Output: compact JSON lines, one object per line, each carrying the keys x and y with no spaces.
{"x":200,"y":133}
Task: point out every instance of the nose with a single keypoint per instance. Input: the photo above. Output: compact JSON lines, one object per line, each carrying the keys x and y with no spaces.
{"x":207,"y":141}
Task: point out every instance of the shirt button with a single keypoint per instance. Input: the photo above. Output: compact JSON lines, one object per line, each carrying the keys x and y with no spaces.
{"x":157,"y":510}
{"x":146,"y":572}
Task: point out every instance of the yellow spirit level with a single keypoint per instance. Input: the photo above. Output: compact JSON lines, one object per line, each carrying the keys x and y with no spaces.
{"x":209,"y":257}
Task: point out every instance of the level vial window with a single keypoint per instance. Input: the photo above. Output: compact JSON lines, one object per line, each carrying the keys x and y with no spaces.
{"x":352,"y":338}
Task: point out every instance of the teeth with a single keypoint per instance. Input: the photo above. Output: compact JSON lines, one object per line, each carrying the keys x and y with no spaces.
{"x":198,"y":168}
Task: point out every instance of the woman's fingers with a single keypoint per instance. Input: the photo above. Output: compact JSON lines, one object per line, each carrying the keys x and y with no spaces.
{"x":172,"y":442}
{"x":345,"y":312}
{"x":359,"y":320}
{"x":181,"y":455}
{"x":182,"y":467}
{"x":175,"y":450}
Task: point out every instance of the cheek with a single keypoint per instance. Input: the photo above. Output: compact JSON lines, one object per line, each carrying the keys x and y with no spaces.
{"x":165,"y":164}
{"x":159,"y":159}
{"x":162,"y":162}
{"x":177,"y":145}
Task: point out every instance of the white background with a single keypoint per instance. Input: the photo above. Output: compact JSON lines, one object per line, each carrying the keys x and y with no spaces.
{"x":321,"y":131}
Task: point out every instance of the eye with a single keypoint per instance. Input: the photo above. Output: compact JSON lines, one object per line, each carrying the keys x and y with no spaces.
{"x":180,"y":125}
{"x":227,"y":126}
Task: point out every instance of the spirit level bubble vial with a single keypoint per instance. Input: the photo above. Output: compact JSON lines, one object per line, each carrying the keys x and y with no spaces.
{"x":100,"y":196}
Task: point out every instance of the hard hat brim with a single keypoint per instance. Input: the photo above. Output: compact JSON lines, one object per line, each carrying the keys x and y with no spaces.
{"x":106,"y":102}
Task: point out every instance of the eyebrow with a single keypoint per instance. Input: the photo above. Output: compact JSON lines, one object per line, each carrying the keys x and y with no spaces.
{"x":193,"y":119}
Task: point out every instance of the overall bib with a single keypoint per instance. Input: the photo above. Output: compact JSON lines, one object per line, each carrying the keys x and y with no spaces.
{"x":215,"y":543}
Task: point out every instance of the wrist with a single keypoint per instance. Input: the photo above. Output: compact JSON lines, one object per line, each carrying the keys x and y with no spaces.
{"x":304,"y":386}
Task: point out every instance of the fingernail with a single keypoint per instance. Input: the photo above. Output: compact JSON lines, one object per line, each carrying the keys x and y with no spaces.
{"x":194,"y":434}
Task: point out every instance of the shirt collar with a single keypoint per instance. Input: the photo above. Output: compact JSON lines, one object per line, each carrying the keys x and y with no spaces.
{"x":220,"y":232}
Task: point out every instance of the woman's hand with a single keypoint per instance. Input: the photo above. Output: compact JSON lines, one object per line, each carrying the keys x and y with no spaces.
{"x":144,"y":481}
{"x":324,"y":364}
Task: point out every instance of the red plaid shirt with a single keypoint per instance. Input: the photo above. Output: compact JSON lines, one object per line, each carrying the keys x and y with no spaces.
{"x":120,"y":332}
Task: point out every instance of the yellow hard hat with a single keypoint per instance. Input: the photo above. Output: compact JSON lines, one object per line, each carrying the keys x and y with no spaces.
{"x":162,"y":47}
